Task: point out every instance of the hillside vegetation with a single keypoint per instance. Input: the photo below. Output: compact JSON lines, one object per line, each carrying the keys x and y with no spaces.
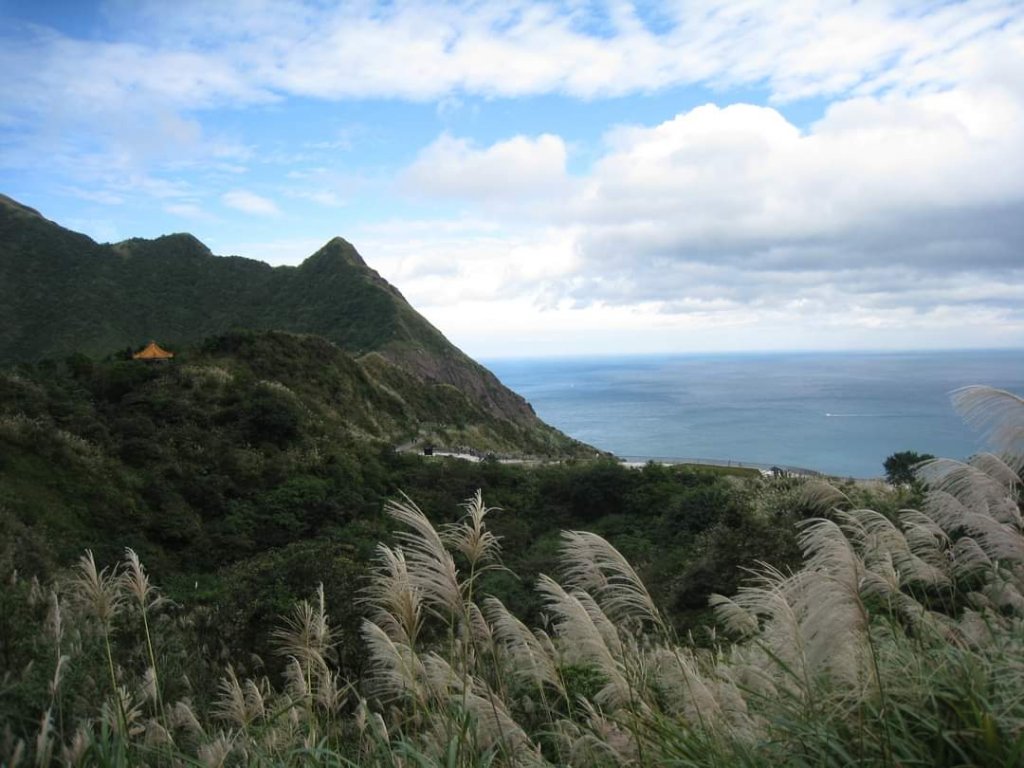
{"x":897,"y":641}
{"x":247,"y":441}
{"x":62,"y":293}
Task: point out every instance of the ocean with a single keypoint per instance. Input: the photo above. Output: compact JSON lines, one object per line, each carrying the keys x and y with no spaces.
{"x":838,"y":413}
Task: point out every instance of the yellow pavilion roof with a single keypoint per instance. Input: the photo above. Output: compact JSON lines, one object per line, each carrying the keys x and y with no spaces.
{"x":153,"y":351}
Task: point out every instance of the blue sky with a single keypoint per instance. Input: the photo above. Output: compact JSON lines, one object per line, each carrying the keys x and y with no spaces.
{"x":551,"y":178}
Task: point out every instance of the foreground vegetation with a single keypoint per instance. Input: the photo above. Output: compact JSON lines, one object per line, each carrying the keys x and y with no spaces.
{"x":897,"y":641}
{"x":258,"y":465}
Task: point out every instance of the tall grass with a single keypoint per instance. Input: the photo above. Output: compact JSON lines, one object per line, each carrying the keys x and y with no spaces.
{"x":899,"y":642}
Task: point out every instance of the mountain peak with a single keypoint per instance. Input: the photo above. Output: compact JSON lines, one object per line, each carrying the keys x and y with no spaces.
{"x":60,"y":293}
{"x":337,"y":249}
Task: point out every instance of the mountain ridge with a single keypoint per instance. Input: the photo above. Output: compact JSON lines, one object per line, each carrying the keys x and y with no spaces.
{"x":63,"y":293}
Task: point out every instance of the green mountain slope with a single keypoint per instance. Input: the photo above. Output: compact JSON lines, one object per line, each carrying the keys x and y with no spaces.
{"x":61,"y":292}
{"x":252,"y":439}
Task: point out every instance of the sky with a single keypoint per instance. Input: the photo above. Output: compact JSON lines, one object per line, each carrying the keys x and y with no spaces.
{"x":557,"y":178}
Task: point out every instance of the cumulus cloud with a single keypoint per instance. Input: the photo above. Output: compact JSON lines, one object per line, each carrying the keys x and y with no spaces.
{"x":249,"y":202}
{"x":516,"y":168}
{"x":888,"y":212}
{"x":436,"y":268}
{"x":875,"y":181}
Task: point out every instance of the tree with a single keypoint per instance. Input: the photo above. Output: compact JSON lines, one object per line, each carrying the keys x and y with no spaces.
{"x":899,"y":467}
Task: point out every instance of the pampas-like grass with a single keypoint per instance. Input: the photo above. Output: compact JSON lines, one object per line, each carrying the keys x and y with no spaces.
{"x":587,"y":637}
{"x":306,"y":634}
{"x":98,"y":591}
{"x":898,"y":642}
{"x":529,"y":657}
{"x":396,"y":671}
{"x":395,"y":601}
{"x":432,"y":569}
{"x":470,"y":535}
{"x":592,"y":565}
{"x":232,"y":705}
{"x":996,"y":413}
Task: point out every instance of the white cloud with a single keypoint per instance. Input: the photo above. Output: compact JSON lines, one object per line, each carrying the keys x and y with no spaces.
{"x":516,"y":168}
{"x":249,"y":202}
{"x":325,"y":197}
{"x":449,"y":268}
{"x":891,"y":215}
{"x":189,"y":211}
{"x":190,"y":55}
{"x":877,"y":180}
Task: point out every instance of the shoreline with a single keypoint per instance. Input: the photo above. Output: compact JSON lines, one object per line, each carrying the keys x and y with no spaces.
{"x":639,"y":461}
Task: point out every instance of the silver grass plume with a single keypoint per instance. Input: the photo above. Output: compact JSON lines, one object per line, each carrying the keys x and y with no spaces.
{"x":148,"y":684}
{"x":255,"y":701}
{"x":609,"y":631}
{"x":736,"y":619}
{"x":888,"y":554}
{"x":215,"y":754}
{"x":330,"y":693}
{"x":55,"y":619}
{"x":495,"y":727}
{"x":440,"y":679}
{"x":396,"y":670}
{"x":470,"y":535}
{"x":478,"y":626}
{"x":926,"y":539}
{"x":430,"y":564}
{"x":98,"y":591}
{"x":156,"y":735}
{"x":58,"y":674}
{"x":964,"y":497}
{"x":984,"y":484}
{"x":997,"y":414}
{"x":827,"y":550}
{"x":529,"y":657}
{"x":595,"y":566}
{"x":296,"y":684}
{"x":136,"y":582}
{"x":395,"y":600}
{"x":181,"y":716}
{"x":767,"y":596}
{"x":606,"y":737}
{"x":123,"y":714}
{"x":822,"y":496}
{"x":582,"y":638}
{"x":813,"y":621}
{"x":686,"y":690}
{"x":586,"y":748}
{"x":969,"y":558}
{"x":306,"y":634}
{"x":232,"y":705}
{"x":833,"y":618}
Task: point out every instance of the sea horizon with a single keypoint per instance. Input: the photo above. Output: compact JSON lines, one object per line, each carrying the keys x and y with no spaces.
{"x":486,"y":360}
{"x":836,"y":412}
